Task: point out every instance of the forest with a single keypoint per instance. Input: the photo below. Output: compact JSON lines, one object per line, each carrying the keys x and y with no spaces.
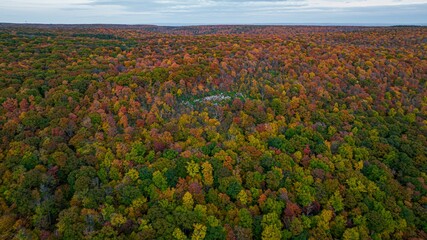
{"x":213,"y":132}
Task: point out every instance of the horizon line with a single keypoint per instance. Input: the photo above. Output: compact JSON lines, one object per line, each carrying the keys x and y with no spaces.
{"x":226,"y":24}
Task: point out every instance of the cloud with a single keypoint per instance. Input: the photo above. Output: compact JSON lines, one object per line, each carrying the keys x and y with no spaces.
{"x":214,"y":11}
{"x":195,"y":6}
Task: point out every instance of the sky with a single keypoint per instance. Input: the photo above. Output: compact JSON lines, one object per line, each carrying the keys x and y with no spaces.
{"x":198,"y":12}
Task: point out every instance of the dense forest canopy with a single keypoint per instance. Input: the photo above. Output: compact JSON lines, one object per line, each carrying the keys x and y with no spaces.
{"x":213,"y":132}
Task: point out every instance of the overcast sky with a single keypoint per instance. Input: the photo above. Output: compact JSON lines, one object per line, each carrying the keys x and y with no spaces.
{"x":177,"y":12}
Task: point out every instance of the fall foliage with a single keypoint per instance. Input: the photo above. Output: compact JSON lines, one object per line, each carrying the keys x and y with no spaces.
{"x":213,"y":132}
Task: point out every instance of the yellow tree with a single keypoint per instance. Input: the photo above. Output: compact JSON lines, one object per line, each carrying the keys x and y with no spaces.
{"x":199,"y":232}
{"x":187,"y":200}
{"x":207,"y":174}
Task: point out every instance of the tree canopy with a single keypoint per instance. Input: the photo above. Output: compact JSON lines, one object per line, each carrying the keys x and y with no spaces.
{"x":213,"y":132}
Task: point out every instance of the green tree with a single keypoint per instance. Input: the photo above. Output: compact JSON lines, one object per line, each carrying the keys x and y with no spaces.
{"x":245,"y":218}
{"x":193,"y":168}
{"x":271,"y":232}
{"x":160,"y":181}
{"x":69,"y":224}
